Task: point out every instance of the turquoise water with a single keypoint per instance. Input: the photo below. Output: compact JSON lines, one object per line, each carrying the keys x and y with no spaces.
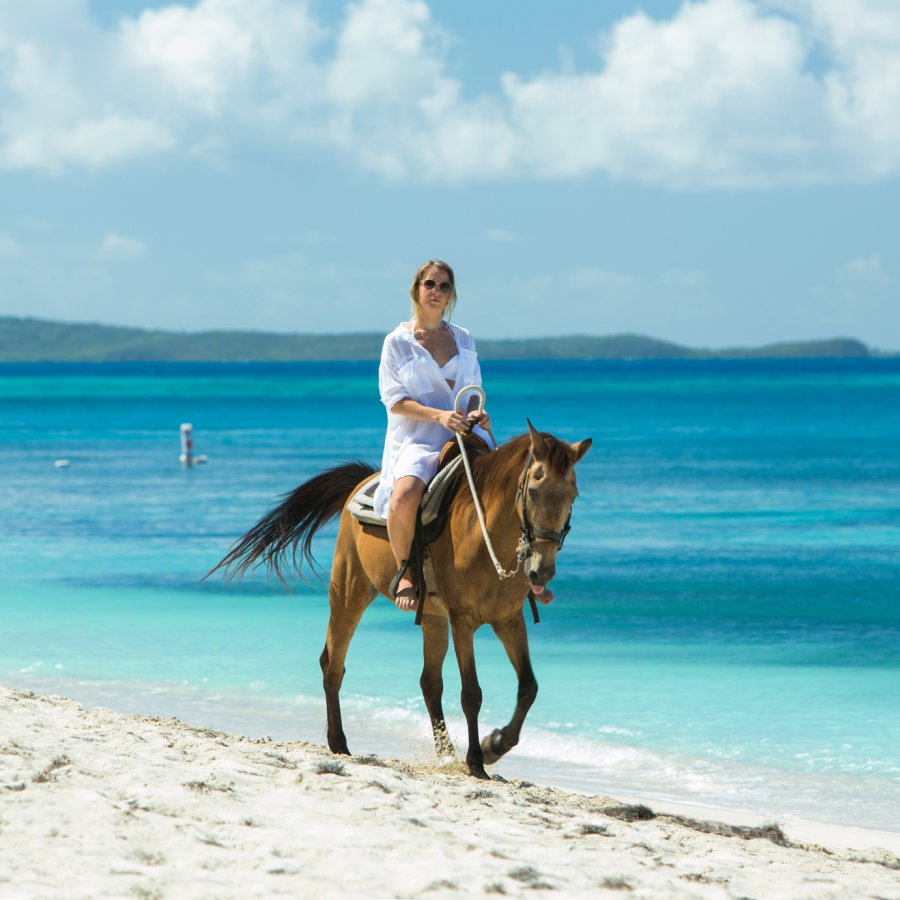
{"x":727,"y":628}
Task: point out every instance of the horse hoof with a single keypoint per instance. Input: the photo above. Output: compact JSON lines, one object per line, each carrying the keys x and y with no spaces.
{"x":478,"y":772}
{"x":444,"y":748}
{"x":492,"y":747}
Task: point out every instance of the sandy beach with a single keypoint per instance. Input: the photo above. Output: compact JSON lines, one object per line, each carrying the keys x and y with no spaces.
{"x":94,"y":803}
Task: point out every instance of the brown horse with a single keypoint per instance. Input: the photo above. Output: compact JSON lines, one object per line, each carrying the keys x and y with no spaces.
{"x":527,"y":488}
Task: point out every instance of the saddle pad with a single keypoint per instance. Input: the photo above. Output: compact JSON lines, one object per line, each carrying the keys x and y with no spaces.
{"x":361,"y":503}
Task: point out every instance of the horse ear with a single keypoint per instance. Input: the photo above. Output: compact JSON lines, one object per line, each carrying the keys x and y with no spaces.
{"x":538,"y":444}
{"x":581,"y":448}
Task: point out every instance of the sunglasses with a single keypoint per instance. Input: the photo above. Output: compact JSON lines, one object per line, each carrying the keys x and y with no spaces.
{"x":444,"y":287}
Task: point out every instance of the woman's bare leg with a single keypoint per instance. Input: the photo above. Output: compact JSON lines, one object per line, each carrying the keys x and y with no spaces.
{"x":401,"y":525}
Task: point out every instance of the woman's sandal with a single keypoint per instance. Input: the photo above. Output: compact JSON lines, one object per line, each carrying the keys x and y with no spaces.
{"x":409,"y":592}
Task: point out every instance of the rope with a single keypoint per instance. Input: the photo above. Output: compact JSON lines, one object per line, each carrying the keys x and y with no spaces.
{"x":522,"y":547}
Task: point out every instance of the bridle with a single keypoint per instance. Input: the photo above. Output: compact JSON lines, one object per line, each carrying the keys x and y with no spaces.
{"x":530,"y":534}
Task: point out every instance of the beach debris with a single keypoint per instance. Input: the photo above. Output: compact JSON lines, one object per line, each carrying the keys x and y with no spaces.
{"x":206,"y":787}
{"x":771,"y":831}
{"x":524,"y":873}
{"x":47,"y":774}
{"x":279,"y":761}
{"x":331,"y":767}
{"x":370,"y":760}
{"x":380,"y":786}
{"x":629,"y":813}
{"x":187,"y":457}
{"x":595,"y":828}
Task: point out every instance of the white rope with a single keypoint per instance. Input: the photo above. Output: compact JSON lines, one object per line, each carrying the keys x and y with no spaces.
{"x":522,"y":548}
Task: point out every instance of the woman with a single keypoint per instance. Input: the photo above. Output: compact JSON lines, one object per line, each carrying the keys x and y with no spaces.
{"x":424,"y":362}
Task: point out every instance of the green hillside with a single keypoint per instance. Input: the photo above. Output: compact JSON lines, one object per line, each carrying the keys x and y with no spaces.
{"x":37,"y":340}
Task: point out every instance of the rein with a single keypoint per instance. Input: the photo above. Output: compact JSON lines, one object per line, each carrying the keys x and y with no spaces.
{"x":523,"y":548}
{"x":529,"y":533}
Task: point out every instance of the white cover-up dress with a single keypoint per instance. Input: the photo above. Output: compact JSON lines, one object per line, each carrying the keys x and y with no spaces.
{"x":409,"y":371}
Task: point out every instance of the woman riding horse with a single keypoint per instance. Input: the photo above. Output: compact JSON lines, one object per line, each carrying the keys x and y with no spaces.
{"x":421,"y":362}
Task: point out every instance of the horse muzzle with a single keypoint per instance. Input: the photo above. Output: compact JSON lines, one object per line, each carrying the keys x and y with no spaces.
{"x":540,"y":569}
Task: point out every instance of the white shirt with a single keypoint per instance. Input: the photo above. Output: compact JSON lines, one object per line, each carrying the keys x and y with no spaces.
{"x":409,"y":371}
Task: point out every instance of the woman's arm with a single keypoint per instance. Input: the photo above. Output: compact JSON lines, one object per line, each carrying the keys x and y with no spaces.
{"x":452,"y":420}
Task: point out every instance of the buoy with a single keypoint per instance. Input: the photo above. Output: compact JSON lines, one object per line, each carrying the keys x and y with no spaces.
{"x":187,"y":457}
{"x":187,"y":444}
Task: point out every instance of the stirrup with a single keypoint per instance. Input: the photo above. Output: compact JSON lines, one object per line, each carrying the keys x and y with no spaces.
{"x":395,"y":581}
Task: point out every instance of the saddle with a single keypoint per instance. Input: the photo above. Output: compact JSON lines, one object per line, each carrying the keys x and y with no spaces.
{"x":432,"y":518}
{"x":434,"y":502}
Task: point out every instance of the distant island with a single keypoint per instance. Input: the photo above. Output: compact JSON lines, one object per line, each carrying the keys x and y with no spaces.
{"x":38,"y":340}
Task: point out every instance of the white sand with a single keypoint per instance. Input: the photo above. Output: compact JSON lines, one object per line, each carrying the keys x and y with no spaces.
{"x":99,"y":804}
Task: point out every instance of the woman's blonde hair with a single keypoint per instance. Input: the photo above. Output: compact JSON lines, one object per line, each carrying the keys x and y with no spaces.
{"x":420,"y":275}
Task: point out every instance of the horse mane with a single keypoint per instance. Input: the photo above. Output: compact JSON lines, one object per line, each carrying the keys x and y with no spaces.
{"x":493,"y":473}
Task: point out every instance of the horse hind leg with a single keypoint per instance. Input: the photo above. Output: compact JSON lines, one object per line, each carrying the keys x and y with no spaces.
{"x":514,"y":637}
{"x":435,"y":641}
{"x":348,"y":602}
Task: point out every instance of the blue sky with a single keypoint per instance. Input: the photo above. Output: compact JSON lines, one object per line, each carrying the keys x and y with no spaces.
{"x":718,"y":173}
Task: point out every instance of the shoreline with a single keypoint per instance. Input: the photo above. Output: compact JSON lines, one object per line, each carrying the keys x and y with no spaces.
{"x":302,"y":720}
{"x":107,"y":804}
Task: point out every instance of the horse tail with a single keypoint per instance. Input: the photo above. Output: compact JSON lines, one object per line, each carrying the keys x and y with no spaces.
{"x":285,"y":533}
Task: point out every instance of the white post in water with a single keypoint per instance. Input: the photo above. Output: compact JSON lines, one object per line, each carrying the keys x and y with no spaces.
{"x":187,"y":444}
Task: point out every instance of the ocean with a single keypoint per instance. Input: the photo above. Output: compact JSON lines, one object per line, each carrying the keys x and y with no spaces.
{"x":727,"y":624}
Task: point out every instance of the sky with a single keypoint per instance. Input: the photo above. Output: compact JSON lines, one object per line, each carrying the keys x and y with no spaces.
{"x":715,"y":173}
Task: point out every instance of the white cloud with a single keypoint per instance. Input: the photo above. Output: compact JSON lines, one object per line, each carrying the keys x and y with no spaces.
{"x":861,"y":41}
{"x":721,"y":94}
{"x":120,"y":248}
{"x":222,"y":58}
{"x":198,"y":53}
{"x":381,"y":44}
{"x":715,"y":96}
{"x":75,"y":95}
{"x":90,"y":143}
{"x":58,"y":107}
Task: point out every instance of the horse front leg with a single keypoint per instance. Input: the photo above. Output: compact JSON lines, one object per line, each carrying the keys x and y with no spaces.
{"x":470,"y":697}
{"x":513,"y":634}
{"x":435,"y":641}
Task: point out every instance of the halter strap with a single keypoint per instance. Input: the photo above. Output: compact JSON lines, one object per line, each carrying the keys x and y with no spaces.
{"x":529,"y":532}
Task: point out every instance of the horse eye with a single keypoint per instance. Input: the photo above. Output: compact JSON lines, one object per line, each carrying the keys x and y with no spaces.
{"x":532,"y":493}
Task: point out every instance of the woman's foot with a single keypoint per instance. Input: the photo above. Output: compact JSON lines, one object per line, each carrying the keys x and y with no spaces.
{"x":402,"y":590}
{"x":405,"y":596}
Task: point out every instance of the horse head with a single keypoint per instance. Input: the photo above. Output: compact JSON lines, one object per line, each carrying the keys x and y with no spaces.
{"x":547,"y":490}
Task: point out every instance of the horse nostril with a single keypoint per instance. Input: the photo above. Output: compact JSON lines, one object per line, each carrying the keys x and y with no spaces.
{"x":532,"y":574}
